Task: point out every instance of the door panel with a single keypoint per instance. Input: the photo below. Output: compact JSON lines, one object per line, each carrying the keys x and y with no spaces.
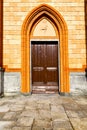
{"x":44,"y":65}
{"x":37,"y":64}
{"x":52,"y":63}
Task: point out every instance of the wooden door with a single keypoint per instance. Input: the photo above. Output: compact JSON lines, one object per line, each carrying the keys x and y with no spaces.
{"x":45,"y":66}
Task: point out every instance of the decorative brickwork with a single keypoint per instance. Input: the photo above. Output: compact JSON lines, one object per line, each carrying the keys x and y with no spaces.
{"x":39,"y":12}
{"x":15,"y":11}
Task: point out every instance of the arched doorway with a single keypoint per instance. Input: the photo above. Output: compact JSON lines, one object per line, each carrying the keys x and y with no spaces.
{"x":44,"y":12}
{"x":44,"y":57}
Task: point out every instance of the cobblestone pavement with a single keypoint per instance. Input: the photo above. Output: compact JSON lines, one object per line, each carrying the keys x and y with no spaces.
{"x":43,"y":112}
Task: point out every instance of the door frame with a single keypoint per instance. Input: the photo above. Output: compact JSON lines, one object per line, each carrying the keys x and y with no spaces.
{"x":61,"y":26}
{"x":58,"y":53}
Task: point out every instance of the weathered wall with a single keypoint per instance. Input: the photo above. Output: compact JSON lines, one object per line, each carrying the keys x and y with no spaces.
{"x":12,"y":82}
{"x":15,"y":12}
{"x":78,"y":83}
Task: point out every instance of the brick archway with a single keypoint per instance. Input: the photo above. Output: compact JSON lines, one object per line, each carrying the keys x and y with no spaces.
{"x":57,"y":19}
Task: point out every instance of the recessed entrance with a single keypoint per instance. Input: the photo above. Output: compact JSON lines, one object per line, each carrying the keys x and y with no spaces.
{"x":44,"y":22}
{"x":45,"y":73}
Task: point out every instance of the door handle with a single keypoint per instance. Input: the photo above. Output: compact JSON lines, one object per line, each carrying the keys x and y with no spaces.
{"x":52,"y":68}
{"x":38,"y":68}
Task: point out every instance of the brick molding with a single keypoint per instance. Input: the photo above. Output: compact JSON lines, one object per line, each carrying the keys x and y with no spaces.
{"x":7,"y":69}
{"x":30,"y":20}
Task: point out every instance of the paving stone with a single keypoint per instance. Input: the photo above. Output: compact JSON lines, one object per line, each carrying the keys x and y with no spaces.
{"x":57,"y":101}
{"x":43,"y":111}
{"x":4,"y":108}
{"x":44,"y":115}
{"x":29,"y":113}
{"x":9,"y":116}
{"x":6,"y":125}
{"x":1,"y":102}
{"x":1,"y":116}
{"x":31,"y":105}
{"x":83,"y":107}
{"x":81,"y":101}
{"x":76,"y":114}
{"x":58,"y":108}
{"x":58,"y":112}
{"x":22,"y":102}
{"x":25,"y":121}
{"x":42,"y":123}
{"x":7,"y":129}
{"x":81,"y":114}
{"x":21,"y":128}
{"x":79,"y":124}
{"x":85,"y":113}
{"x":37,"y":128}
{"x":72,"y":106}
{"x":61,"y":129}
{"x":58,"y":115}
{"x":12,"y":124}
{"x":63,"y":124}
{"x":44,"y":106}
{"x":66,"y":99}
{"x":48,"y":128}
{"x":15,"y":108}
{"x":44,"y":101}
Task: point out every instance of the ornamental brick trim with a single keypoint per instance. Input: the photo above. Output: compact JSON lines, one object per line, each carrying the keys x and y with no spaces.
{"x":56,"y":18}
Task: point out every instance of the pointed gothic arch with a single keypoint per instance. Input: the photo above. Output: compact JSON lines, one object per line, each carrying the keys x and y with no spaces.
{"x":30,"y":20}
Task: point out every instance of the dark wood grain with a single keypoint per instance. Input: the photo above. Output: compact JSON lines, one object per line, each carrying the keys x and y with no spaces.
{"x":45,"y":67}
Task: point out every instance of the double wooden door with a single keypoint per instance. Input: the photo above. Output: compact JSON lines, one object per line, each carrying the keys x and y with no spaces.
{"x":45,"y":77}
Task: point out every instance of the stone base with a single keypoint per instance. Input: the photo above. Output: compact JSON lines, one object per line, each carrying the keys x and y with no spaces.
{"x":26,"y":94}
{"x":8,"y":94}
{"x":78,"y":83}
{"x":12,"y":82}
{"x":64,"y":94}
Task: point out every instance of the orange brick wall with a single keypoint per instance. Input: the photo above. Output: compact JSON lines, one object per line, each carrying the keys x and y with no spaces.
{"x":15,"y":12}
{"x":1,"y":31}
